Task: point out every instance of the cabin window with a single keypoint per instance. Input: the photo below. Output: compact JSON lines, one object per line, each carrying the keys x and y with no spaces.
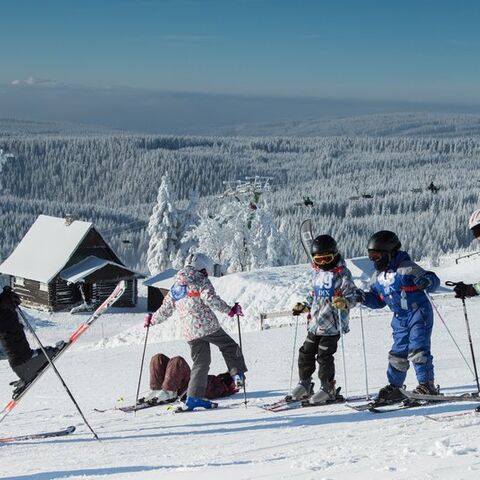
{"x":44,"y":287}
{"x":20,"y":281}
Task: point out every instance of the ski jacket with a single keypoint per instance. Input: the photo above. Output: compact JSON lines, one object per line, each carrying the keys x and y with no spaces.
{"x":396,"y":287}
{"x":193,"y":296}
{"x":328,"y":284}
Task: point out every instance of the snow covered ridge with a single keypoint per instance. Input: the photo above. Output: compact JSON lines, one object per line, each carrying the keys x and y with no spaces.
{"x":276,"y":289}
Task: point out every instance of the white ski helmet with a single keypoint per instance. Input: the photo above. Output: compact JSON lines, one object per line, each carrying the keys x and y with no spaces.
{"x":474,"y":219}
{"x":200,"y":261}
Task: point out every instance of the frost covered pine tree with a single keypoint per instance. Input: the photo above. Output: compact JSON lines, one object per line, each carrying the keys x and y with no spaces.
{"x":209,"y":237}
{"x":268,"y":246}
{"x":187,"y":221}
{"x":162,"y":229}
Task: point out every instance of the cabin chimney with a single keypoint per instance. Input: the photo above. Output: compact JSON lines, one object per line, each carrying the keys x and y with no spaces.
{"x":69,"y":219}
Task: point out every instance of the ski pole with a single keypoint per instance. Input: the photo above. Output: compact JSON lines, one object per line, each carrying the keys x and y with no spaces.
{"x":471,"y":344}
{"x":141,"y":369}
{"x":367,"y":395}
{"x":293,"y":354}
{"x":57,"y":373}
{"x":450,"y":333}
{"x":467,"y":323}
{"x":241,"y":349}
{"x":340,"y":328}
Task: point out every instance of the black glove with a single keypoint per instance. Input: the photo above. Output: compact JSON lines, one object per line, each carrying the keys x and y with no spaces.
{"x":299,"y":308}
{"x":463,"y":290}
{"x":359,"y":295}
{"x":9,"y":300}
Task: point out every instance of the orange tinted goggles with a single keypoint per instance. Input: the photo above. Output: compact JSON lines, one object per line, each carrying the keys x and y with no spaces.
{"x":323,"y":259}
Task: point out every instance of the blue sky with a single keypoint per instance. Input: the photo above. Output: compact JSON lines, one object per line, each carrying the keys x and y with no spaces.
{"x":409,"y":50}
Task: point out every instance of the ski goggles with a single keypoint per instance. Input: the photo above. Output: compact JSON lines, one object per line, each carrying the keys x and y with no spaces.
{"x":323,"y":258}
{"x":375,"y":255}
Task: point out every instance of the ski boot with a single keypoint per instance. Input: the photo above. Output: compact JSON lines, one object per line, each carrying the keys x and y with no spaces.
{"x":159,"y":396}
{"x":30,"y":369}
{"x":195,"y":402}
{"x":427,"y":388}
{"x":239,"y":380}
{"x":328,"y":393}
{"x":388,"y":395}
{"x":302,"y":391}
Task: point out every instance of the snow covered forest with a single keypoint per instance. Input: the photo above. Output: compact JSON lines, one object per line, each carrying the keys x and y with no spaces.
{"x":356,"y":185}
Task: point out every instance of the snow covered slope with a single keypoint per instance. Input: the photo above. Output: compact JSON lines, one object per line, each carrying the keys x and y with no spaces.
{"x":332,"y":442}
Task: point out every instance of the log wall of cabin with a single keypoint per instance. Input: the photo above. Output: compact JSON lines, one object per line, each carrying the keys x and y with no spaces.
{"x":31,"y":293}
{"x":101,"y":291}
{"x":63,"y":296}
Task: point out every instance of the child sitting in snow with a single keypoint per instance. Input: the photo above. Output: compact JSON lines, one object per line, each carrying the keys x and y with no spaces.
{"x":169,"y":378}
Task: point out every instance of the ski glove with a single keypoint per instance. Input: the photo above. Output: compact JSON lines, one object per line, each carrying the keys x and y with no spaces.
{"x":340,"y":303}
{"x":359,"y":296}
{"x":148,"y":321}
{"x":463,"y":290}
{"x":300,"y":308}
{"x":236,"y":310}
{"x":9,"y":300}
{"x":422,"y":282}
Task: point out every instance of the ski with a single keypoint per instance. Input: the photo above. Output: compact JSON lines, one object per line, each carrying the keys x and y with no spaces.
{"x":285,"y":404}
{"x":37,"y":436}
{"x":378,"y":407}
{"x":183,"y":410}
{"x":281,"y":405}
{"x":466,"y":397}
{"x":144,"y":405}
{"x":113,"y":297}
{"x":452,"y":416}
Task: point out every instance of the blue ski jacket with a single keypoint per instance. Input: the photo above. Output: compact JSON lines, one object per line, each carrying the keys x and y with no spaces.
{"x":397,"y":289}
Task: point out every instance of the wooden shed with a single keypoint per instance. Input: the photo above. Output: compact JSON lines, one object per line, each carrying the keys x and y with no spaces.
{"x":157,"y":287}
{"x":61,"y":263}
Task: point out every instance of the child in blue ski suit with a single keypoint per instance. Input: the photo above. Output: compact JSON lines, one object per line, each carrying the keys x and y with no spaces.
{"x":400,"y":284}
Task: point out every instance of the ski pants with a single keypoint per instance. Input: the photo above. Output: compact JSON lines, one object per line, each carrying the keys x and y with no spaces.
{"x":173,"y":374}
{"x":201,"y":356}
{"x":412,"y":335}
{"x":320,"y":348}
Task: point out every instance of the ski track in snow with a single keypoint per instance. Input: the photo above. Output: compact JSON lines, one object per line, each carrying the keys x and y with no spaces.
{"x":325,"y":443}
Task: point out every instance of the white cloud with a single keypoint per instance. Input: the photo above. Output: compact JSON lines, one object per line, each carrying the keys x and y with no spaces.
{"x":31,"y":80}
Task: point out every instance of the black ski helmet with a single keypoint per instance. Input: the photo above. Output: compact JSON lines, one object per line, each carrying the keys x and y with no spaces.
{"x":322,"y":244}
{"x":384,"y":241}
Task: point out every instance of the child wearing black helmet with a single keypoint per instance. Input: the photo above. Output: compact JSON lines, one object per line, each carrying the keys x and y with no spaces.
{"x":400,"y":284}
{"x":333,"y":295}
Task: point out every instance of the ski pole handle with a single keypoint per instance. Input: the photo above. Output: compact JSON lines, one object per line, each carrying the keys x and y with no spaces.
{"x":448,"y":283}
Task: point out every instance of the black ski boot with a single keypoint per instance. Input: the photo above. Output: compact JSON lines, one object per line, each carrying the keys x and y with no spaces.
{"x":388,"y":395}
{"x":427,"y":388}
{"x":30,"y":369}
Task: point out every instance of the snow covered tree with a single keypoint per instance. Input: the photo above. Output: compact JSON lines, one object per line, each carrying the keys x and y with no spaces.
{"x":162,"y":229}
{"x":187,"y":220}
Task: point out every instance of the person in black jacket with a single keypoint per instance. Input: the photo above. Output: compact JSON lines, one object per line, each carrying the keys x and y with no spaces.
{"x":24,"y":361}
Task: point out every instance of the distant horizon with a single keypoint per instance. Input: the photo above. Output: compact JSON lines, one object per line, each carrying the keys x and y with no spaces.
{"x":175,"y":112}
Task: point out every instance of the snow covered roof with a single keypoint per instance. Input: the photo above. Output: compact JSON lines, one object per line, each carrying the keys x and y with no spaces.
{"x":161,"y":280}
{"x":45,"y":249}
{"x":87,"y":266}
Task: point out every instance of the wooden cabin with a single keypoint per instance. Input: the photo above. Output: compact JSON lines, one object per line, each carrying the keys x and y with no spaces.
{"x":157,"y":287}
{"x":61,"y":263}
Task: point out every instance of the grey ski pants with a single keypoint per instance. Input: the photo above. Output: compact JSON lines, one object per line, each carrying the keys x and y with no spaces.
{"x":201,"y":356}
